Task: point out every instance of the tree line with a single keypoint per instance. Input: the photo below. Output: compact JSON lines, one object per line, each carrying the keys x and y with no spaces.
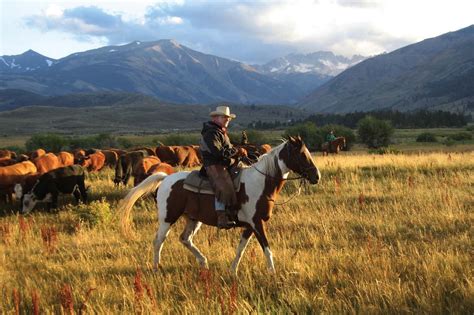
{"x":415,"y":119}
{"x":409,"y":120}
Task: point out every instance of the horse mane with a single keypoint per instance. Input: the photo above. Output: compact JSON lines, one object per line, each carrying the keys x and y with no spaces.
{"x":268,"y":163}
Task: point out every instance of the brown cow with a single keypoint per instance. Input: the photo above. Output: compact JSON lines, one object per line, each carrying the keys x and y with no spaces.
{"x":5,"y":154}
{"x":47,"y":162}
{"x":166,"y":154}
{"x":7,"y":161}
{"x":78,"y":154}
{"x":186,"y":156}
{"x":160,"y":167}
{"x":147,"y":149}
{"x":141,"y":168}
{"x":198,"y":152}
{"x":93,"y":162}
{"x":66,"y":158}
{"x":119,"y":152}
{"x":12,"y":174}
{"x":111,"y":158}
{"x":36,"y":154}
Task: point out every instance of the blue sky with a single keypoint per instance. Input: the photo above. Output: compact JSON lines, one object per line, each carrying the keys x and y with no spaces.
{"x":249,"y":31}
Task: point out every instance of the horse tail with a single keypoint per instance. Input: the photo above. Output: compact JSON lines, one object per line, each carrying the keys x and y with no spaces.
{"x":149,"y":185}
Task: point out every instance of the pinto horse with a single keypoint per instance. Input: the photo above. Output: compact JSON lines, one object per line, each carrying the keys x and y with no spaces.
{"x":334,"y":146}
{"x":259,"y":188}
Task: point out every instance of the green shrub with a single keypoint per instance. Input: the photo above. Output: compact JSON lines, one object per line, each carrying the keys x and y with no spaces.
{"x":426,"y":137}
{"x":49,"y":142}
{"x":384,"y":150}
{"x":254,"y":137}
{"x":96,"y":213}
{"x":373,"y":132}
{"x":449,"y":142}
{"x":124,"y":143}
{"x":309,"y":132}
{"x":461,"y":136}
{"x":314,"y":137}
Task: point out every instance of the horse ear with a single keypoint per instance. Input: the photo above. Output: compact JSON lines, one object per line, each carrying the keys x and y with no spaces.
{"x":291,"y":139}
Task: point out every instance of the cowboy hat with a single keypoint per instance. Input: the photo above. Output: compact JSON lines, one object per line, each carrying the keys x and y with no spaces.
{"x":222,"y":111}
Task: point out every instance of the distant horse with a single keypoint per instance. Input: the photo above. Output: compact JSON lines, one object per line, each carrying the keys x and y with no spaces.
{"x":260,"y":185}
{"x":334,"y":146}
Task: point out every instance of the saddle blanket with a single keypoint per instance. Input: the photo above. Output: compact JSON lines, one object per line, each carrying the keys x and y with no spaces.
{"x":195,"y":183}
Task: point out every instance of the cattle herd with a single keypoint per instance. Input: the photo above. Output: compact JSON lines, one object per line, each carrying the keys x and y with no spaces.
{"x":41,"y":176}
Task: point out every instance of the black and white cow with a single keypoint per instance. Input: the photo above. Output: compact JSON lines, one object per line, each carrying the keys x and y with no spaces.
{"x":66,"y":180}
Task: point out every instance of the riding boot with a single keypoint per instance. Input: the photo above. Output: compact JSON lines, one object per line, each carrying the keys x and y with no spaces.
{"x":223,"y":221}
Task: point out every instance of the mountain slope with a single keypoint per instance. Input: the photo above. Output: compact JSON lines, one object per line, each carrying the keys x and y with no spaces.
{"x":435,"y":72}
{"x":12,"y":99}
{"x":28,"y":61}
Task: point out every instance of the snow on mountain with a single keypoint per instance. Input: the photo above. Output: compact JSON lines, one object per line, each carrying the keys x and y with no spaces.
{"x":28,"y":61}
{"x":322,"y":62}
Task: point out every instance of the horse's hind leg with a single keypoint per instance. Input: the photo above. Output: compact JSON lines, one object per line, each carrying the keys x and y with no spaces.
{"x":244,"y":240}
{"x":160,"y":237}
{"x":192,"y":226}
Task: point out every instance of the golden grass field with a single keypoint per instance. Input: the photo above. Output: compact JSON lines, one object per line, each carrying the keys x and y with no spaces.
{"x":389,"y":234}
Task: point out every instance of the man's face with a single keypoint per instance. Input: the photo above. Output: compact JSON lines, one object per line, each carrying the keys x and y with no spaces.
{"x":222,"y":121}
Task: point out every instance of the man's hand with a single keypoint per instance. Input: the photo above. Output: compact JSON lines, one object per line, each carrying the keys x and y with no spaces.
{"x":241,"y":152}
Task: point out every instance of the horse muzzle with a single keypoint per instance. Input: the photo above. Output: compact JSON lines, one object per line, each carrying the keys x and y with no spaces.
{"x":314,"y":176}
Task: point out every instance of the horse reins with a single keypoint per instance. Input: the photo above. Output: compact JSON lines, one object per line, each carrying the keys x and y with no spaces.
{"x":298,"y":192}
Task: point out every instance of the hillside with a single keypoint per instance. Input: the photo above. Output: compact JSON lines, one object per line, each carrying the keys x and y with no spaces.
{"x":147,"y":115}
{"x":434,"y":73}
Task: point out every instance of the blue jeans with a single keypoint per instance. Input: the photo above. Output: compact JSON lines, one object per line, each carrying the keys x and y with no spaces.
{"x":219,"y":206}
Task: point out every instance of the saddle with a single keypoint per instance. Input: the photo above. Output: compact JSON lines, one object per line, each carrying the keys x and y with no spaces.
{"x":196,"y":183}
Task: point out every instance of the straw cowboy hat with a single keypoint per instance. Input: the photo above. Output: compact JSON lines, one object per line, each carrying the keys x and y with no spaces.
{"x":222,"y":111}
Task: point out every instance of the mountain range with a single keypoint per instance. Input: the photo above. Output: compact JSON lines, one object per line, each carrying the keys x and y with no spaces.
{"x":436,"y":73}
{"x":169,"y":71}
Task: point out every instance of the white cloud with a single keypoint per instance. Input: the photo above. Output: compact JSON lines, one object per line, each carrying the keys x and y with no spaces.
{"x":53,"y":11}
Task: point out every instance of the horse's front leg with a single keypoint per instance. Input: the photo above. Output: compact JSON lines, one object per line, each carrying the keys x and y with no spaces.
{"x":259,"y":230}
{"x":244,"y":240}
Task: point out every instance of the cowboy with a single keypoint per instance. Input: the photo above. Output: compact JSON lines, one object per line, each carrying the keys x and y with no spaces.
{"x":330,"y":136}
{"x":218,"y":155}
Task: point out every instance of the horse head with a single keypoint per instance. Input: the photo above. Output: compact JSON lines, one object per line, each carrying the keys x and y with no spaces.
{"x":343,"y":141}
{"x":297,"y":158}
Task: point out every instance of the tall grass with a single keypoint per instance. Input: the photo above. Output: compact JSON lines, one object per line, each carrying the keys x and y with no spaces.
{"x":380,"y":234}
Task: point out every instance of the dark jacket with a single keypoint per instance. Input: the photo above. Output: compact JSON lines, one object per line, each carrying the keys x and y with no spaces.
{"x":215,"y":146}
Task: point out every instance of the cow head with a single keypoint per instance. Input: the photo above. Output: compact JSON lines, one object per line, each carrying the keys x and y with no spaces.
{"x":84,"y":161}
{"x":18,"y":191}
{"x":30,"y":200}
